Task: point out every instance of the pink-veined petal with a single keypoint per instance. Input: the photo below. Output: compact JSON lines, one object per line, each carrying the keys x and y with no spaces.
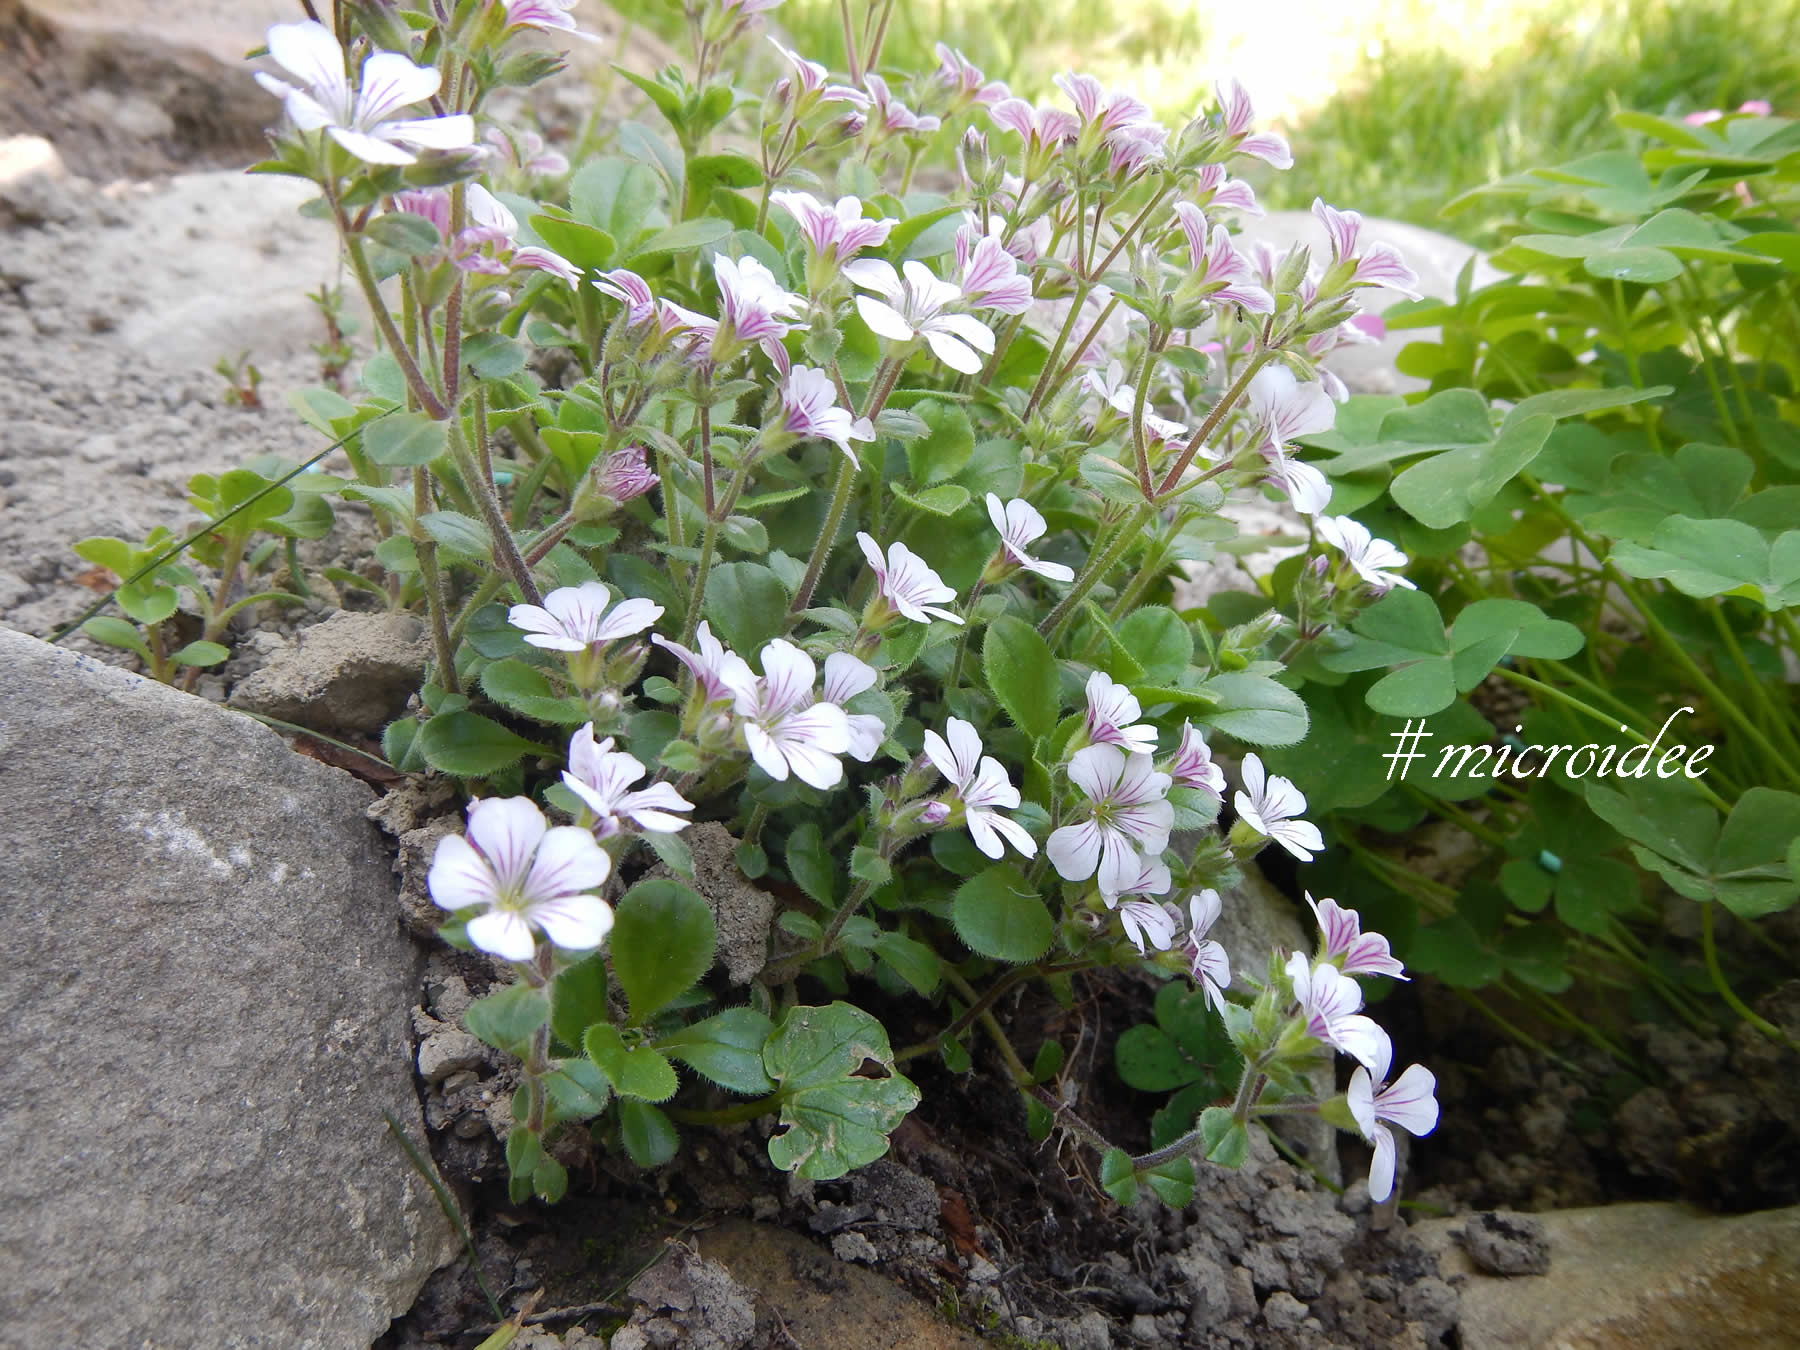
{"x":1381,"y":1165}
{"x":391,"y":82}
{"x":1096,"y":770}
{"x":507,"y":830}
{"x":1410,"y":1101}
{"x":1074,"y":850}
{"x":1359,"y":1096}
{"x":568,"y":861}
{"x":951,"y":351}
{"x":311,"y":53}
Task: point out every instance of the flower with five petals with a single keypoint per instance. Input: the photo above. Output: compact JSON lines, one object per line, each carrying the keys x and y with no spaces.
{"x":981,"y":787}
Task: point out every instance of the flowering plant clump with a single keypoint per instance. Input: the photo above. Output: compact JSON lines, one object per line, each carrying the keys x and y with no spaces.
{"x":740,"y":481}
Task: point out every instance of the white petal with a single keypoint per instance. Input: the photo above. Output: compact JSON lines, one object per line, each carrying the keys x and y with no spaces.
{"x":507,"y":831}
{"x":845,"y":677}
{"x":970,"y":329}
{"x":765,"y":752}
{"x":788,"y":675}
{"x":872,"y":274}
{"x":631,"y":616}
{"x":503,"y":933}
{"x":951,"y":352}
{"x":575,"y":922}
{"x":1410,"y":1101}
{"x":1361,"y":1038}
{"x":816,"y":767}
{"x":459,"y":877}
{"x":310,"y":52}
{"x":1050,"y":571}
{"x":884,"y":320}
{"x":938,"y":752}
{"x":1381,"y":1166}
{"x":1074,"y":851}
{"x":1015,"y":834}
{"x":1096,"y":770}
{"x":370,"y":149}
{"x":867,"y":732}
{"x":965,"y":744}
{"x":391,"y":82}
{"x":1360,"y":1098}
{"x":568,"y":861}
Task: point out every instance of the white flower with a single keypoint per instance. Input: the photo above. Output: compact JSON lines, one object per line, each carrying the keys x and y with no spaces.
{"x":983,"y":787}
{"x":1147,"y":921}
{"x":1149,"y":875}
{"x":785,"y":728}
{"x":526,"y":875}
{"x":1371,"y":558}
{"x":1271,"y":805}
{"x":990,"y":274}
{"x":574,"y":618}
{"x":809,"y":409}
{"x":1193,"y":767}
{"x":716,"y":671}
{"x":1379,"y":264}
{"x":362,"y":120}
{"x":847,"y":676}
{"x":1127,"y":813}
{"x":1362,"y":953}
{"x":916,"y":308}
{"x":1329,"y":1001}
{"x":1111,"y":710}
{"x":1019,"y":523}
{"x":550,"y":16}
{"x":1208,"y":961}
{"x":752,"y":307}
{"x":602,"y":778}
{"x":1111,"y":387}
{"x":1409,"y":1102}
{"x":1284,"y":409}
{"x":834,"y":233}
{"x":906,"y":583}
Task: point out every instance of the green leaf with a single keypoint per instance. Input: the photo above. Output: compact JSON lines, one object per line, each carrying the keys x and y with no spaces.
{"x":117,"y":633}
{"x":508,"y":1018}
{"x":811,"y":865}
{"x":493,"y":356}
{"x":868,"y":865}
{"x":835,"y":1119}
{"x":1172,"y":1183}
{"x":649,"y":1136}
{"x":1117,"y":1177}
{"x":1704,"y":558}
{"x":459,"y":535}
{"x":662,"y":943}
{"x":1644,"y":266}
{"x":947,"y":445}
{"x":115,"y":555}
{"x":578,"y":998}
{"x":588,"y":248}
{"x":1223,"y":1140}
{"x":636,"y":1071}
{"x":1254,"y":708}
{"x":405,"y":439}
{"x":616,"y":195}
{"x":576,"y":1090}
{"x":747,"y":604}
{"x":1149,"y":1060}
{"x":469,"y":745}
{"x":1451,"y":486}
{"x":524,"y":689}
{"x":1158,"y":641}
{"x":403,"y":232}
{"x":944,"y":500}
{"x":200,"y":654}
{"x":689,"y":234}
{"x":1453,"y":951}
{"x":1021,"y":674}
{"x":727,"y":1048}
{"x":911,"y":960}
{"x":999,"y":916}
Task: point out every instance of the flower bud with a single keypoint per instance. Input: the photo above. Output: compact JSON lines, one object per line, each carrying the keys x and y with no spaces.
{"x":381,"y":20}
{"x":1292,"y":269}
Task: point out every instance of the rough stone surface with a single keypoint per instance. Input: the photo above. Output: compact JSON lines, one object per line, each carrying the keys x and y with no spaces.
{"x":206,"y":1001}
{"x":1506,"y":1244}
{"x":354,"y":672}
{"x":690,"y":1301}
{"x":744,"y":912}
{"x":1636,"y":1277}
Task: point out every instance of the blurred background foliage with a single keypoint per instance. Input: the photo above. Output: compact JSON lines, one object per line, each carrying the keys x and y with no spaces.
{"x":1394,"y":106}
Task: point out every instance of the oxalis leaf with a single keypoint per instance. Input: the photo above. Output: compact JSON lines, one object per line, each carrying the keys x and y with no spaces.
{"x":835,"y":1119}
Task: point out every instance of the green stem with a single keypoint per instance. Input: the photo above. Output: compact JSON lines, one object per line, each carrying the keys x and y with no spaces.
{"x":1732,"y":1001}
{"x":479,"y":473}
{"x":425,"y":547}
{"x":365,"y":278}
{"x":834,"y":517}
{"x":1213,"y":418}
{"x":1099,"y":564}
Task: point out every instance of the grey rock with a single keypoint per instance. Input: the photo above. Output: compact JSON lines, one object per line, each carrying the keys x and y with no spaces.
{"x":1283,"y":1311}
{"x":206,"y":1011}
{"x":1432,"y":1303}
{"x":1636,"y":1277}
{"x":857,"y":1247}
{"x":449,"y":1051}
{"x":354,"y":672}
{"x":695,"y":1299}
{"x":1506,"y":1244}
{"x":744,"y":912}
{"x":1090,"y":1331}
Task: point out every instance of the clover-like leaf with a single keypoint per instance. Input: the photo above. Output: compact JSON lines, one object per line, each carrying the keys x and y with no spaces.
{"x":836,"y":1118}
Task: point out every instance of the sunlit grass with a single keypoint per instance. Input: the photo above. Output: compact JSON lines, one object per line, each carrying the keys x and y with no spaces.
{"x":1394,"y":106}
